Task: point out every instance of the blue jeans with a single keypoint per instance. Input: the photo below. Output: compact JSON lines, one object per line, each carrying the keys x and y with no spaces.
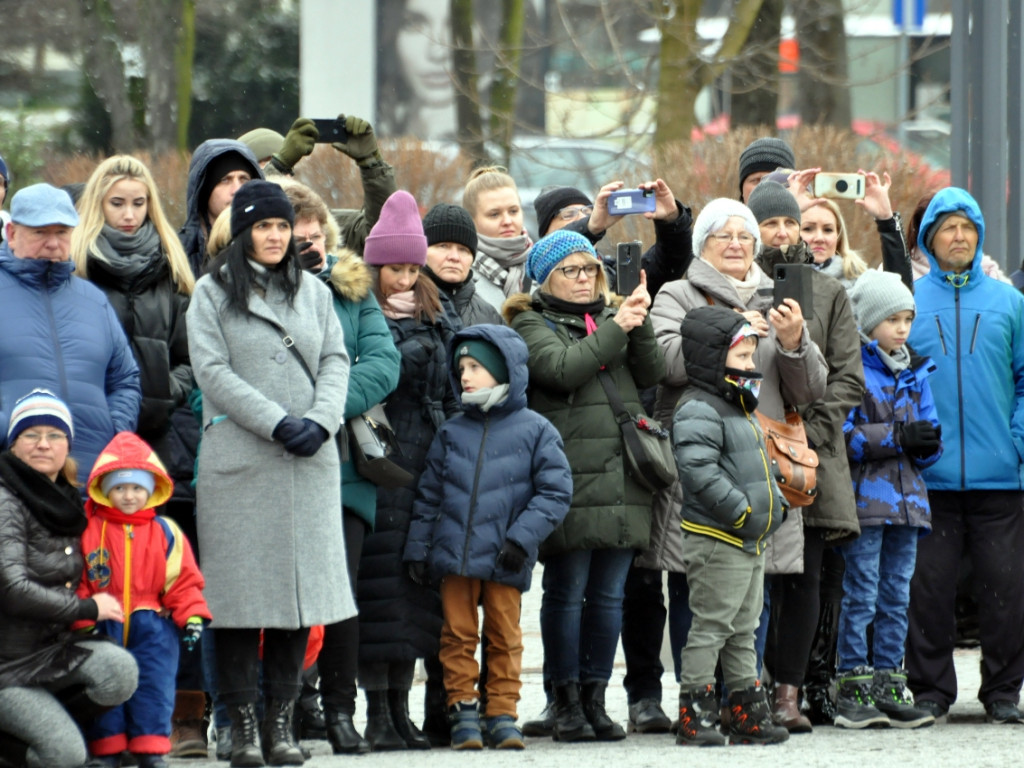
{"x":876,"y":587}
{"x":581,"y":613}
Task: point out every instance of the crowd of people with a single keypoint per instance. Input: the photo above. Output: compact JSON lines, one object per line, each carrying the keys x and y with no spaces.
{"x":189,"y":545}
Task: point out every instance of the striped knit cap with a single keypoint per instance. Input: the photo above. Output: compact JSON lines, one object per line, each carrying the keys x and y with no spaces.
{"x":39,"y":408}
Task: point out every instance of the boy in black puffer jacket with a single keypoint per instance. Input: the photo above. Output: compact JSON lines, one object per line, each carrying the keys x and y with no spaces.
{"x":731,"y":506}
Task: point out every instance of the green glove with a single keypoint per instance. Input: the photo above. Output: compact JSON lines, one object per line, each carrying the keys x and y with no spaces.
{"x":362,"y":144}
{"x":299,"y":142}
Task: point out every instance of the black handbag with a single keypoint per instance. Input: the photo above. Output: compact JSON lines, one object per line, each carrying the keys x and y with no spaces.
{"x":648,"y":446}
{"x":373,"y":446}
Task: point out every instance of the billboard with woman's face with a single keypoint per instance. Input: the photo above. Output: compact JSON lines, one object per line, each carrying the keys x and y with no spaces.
{"x":415,"y":88}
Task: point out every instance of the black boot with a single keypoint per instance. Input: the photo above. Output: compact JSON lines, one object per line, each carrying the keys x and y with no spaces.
{"x":380,"y":730}
{"x":592,"y":698}
{"x":699,"y":718}
{"x":570,"y":722}
{"x":750,"y":720}
{"x":398,"y":703}
{"x":245,"y":740}
{"x":279,"y":747}
{"x":342,"y":733}
{"x":435,"y":714}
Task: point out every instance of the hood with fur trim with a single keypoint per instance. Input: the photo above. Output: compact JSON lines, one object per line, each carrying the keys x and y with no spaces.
{"x":129,"y":451}
{"x":349,"y":275}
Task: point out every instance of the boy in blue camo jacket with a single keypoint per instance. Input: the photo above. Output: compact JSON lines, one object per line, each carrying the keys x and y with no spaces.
{"x":890,"y":437}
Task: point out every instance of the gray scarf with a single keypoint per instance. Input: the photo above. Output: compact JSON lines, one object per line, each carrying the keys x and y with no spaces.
{"x":501,"y":261}
{"x":125,"y":255}
{"x":486,"y":398}
{"x":898,"y":361}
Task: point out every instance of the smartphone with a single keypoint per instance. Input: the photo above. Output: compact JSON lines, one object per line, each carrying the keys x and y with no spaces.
{"x":331,"y":130}
{"x":626,"y":201}
{"x":793,"y":281}
{"x":845,"y":185}
{"x":627,"y":267}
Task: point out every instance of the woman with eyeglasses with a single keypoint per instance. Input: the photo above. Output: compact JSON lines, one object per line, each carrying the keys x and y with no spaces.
{"x":575,"y":337}
{"x":726,"y":240}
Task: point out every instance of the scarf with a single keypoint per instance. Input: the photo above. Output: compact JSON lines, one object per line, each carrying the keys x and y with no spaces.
{"x":486,"y":399}
{"x":594,"y":307}
{"x":747,"y":287}
{"x":400,"y":305}
{"x":56,"y":505}
{"x":502,"y":261}
{"x":898,"y":361}
{"x":127,"y":256}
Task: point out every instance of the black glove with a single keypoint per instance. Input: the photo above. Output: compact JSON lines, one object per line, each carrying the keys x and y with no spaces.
{"x":918,"y":438}
{"x":300,"y":437}
{"x":309,"y":259}
{"x":512,"y":557}
{"x":300,"y":141}
{"x":362,"y":144}
{"x":190,"y":637}
{"x":418,"y":572}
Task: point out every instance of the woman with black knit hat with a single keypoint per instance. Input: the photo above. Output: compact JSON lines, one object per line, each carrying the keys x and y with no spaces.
{"x":268,"y":353}
{"x":451,"y":248}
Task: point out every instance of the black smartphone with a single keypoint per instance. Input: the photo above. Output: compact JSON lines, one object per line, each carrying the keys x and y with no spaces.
{"x":627,"y":267}
{"x":331,"y":130}
{"x":793,"y":281}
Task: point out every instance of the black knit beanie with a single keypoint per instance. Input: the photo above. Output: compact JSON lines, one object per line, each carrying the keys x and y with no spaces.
{"x":257,"y":200}
{"x":447,"y":223}
{"x":549,"y":203}
{"x":770,"y":199}
{"x":765,"y":154}
{"x":217,"y":169}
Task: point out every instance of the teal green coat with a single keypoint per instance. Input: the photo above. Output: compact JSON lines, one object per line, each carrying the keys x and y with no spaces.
{"x":375,"y":363}
{"x":610,"y":510}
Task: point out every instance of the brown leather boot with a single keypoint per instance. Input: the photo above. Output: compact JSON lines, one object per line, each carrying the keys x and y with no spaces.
{"x":786,"y":710}
{"x":188,"y":736}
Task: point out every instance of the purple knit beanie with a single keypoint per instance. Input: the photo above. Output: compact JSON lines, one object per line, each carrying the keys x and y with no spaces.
{"x":397,"y":237}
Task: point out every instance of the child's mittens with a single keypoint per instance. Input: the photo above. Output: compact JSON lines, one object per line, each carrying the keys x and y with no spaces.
{"x":193,"y":631}
{"x":418,"y":572}
{"x":512,"y":557}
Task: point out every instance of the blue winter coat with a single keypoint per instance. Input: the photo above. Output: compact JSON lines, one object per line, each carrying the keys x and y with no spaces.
{"x":490,"y":477}
{"x":63,"y":335}
{"x":887,"y":482}
{"x":975,"y":335}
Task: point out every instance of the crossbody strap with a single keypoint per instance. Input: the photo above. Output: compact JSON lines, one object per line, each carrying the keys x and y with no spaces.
{"x":622,"y":416}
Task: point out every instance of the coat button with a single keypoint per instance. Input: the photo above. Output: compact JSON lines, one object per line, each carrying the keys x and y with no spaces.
{"x":68,"y":550}
{"x":67,"y":584}
{"x":281,"y":356}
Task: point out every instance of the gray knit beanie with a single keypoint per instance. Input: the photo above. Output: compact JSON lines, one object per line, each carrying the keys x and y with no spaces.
{"x":713,"y":217}
{"x":770,"y":199}
{"x":765,"y":154}
{"x":877,"y":295}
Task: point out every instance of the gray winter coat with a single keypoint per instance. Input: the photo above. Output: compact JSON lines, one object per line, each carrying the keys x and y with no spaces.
{"x":270,"y":531}
{"x":792,"y":378}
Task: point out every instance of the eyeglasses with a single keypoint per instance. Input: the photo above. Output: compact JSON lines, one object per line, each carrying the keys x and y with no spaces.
{"x":314,"y":238}
{"x":573,"y":273}
{"x":34,"y":438}
{"x":743,"y":238}
{"x":575,"y":211}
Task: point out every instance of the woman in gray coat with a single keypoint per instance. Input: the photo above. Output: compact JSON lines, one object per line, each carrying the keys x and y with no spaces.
{"x":269,"y":355}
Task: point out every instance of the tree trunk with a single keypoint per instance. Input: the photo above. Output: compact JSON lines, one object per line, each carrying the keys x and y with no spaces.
{"x":184,"y":56}
{"x":823,"y":82}
{"x":104,"y":67}
{"x":159,"y":35}
{"x":467,"y":103}
{"x":755,"y":76}
{"x":506,"y":74}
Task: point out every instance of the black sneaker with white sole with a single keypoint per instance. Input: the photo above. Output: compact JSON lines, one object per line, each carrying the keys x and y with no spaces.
{"x":1002,"y":712}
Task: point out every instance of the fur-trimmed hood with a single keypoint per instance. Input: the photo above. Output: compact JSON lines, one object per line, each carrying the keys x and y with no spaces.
{"x":349,"y":275}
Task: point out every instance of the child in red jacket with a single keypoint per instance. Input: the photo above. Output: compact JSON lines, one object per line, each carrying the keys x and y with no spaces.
{"x":146,"y":562}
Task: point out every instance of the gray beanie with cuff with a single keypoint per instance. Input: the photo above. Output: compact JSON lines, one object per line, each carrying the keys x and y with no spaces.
{"x":877,"y":295}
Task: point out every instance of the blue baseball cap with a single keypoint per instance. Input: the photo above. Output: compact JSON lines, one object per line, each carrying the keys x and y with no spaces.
{"x":43,"y":205}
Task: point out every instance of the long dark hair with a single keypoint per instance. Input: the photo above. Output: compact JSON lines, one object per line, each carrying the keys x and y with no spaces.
{"x":232,"y":271}
{"x":424,"y":294}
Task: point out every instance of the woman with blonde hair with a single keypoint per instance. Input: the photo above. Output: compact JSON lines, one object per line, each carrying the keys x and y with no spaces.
{"x":492,"y":199}
{"x":823,"y":229}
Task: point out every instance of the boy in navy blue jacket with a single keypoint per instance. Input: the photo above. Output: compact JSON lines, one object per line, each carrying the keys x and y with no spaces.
{"x":496,"y":484}
{"x":890,"y":437}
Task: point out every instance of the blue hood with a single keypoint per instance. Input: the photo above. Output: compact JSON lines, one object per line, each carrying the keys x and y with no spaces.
{"x":951,"y":200}
{"x":515,"y":352}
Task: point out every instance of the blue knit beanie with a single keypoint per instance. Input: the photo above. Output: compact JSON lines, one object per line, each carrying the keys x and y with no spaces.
{"x":140,"y":477}
{"x":551,"y":249}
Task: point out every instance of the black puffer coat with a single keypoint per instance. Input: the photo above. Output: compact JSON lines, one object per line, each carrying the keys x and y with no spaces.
{"x":152,"y":313}
{"x":471,"y":308}
{"x":398,"y":619}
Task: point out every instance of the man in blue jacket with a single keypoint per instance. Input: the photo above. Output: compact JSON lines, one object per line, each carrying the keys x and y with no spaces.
{"x":973,"y":328}
{"x":60,"y":332}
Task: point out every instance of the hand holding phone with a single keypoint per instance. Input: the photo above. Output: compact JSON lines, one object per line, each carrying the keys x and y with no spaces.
{"x":627,"y":267}
{"x":625,"y":201}
{"x":848,"y":186}
{"x":331,"y":130}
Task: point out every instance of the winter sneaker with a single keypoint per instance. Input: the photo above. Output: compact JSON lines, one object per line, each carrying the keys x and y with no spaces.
{"x":855,"y":705}
{"x":465,"y":720}
{"x":503,"y":733}
{"x":698,"y":718}
{"x":752,"y":718}
{"x":894,"y":700}
{"x":1002,"y":712}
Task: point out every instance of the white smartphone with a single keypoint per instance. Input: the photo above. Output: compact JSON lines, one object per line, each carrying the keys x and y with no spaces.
{"x":845,"y":185}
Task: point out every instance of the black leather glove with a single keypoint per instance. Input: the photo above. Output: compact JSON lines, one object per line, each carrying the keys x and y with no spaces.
{"x":362,"y":144}
{"x":310,"y":259}
{"x":512,"y":557}
{"x":303,"y":439}
{"x":288,"y":429}
{"x":418,"y":572}
{"x":919,"y":438}
{"x":190,"y":637}
{"x":300,"y":141}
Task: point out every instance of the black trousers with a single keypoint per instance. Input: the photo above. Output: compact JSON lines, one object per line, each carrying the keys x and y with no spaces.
{"x":238,"y":663}
{"x":339,"y":657}
{"x":643,"y":626}
{"x":989,"y":527}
